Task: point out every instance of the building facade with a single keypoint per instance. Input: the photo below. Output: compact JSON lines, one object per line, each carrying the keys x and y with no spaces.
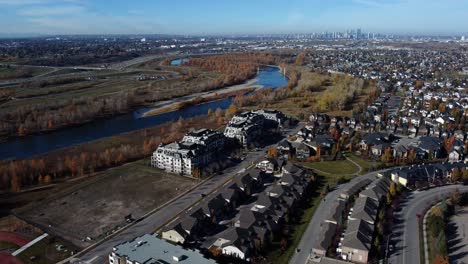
{"x":196,"y":150}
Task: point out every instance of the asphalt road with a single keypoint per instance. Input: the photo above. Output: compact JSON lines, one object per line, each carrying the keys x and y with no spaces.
{"x":99,"y":254}
{"x":313,"y":229}
{"x":405,"y":236}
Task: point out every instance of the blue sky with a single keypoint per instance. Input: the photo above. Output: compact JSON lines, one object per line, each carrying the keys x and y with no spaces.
{"x":232,"y":16}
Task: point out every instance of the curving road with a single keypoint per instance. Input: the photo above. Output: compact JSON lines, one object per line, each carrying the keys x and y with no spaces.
{"x":405,"y":236}
{"x":313,"y":229}
{"x":160,"y":217}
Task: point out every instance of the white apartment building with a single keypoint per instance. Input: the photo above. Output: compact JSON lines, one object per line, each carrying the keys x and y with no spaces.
{"x":180,"y":158}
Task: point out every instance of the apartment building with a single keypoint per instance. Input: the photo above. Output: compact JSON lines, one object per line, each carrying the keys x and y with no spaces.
{"x":194,"y":151}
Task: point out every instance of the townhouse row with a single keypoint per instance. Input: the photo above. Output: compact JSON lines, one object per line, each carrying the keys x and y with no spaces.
{"x":244,"y":216}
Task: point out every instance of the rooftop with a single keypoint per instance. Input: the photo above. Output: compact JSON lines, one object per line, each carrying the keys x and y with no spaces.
{"x":151,"y":249}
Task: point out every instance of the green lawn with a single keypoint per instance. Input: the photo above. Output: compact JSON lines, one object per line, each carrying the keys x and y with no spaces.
{"x":365,"y":165}
{"x":12,"y":72}
{"x":333,"y":167}
{"x":7,"y":245}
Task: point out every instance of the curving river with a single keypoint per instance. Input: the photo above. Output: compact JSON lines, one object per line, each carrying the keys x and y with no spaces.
{"x":24,"y":147}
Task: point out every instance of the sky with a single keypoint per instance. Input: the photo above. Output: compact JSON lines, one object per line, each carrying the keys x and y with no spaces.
{"x":202,"y":17}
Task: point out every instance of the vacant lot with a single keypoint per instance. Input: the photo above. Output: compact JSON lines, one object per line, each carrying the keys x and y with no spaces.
{"x":99,"y":205}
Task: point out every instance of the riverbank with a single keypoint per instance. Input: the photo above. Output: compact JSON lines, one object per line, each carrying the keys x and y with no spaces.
{"x":33,"y":145}
{"x":178,"y":103}
{"x":86,"y":158}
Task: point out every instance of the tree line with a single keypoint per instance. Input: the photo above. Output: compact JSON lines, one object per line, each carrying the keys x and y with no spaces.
{"x":34,"y":118}
{"x":88,"y":158}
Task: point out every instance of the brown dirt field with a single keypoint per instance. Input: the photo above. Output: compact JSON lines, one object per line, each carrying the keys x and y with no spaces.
{"x":100,"y":205}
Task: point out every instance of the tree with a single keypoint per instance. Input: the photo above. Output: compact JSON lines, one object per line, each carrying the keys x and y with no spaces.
{"x":455,"y":197}
{"x":465,"y":175}
{"x":377,"y":243}
{"x":300,"y":59}
{"x":15,"y":183}
{"x":442,"y":107}
{"x":437,"y":211}
{"x":432,"y":104}
{"x":441,"y":260}
{"x":389,"y":199}
{"x":272,"y":152}
{"x":393,"y":189}
{"x":387,"y":156}
{"x":47,"y":179}
{"x":196,"y":173}
{"x":411,"y":155}
{"x":457,"y":175}
{"x":232,"y":110}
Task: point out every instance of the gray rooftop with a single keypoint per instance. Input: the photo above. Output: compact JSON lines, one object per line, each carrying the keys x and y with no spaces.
{"x":151,"y":249}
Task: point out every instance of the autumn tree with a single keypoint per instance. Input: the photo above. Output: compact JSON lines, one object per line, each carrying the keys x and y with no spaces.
{"x":393,"y":189}
{"x":441,"y":260}
{"x":456,"y":175}
{"x":232,"y":110}
{"x":411,"y":155}
{"x":196,"y":173}
{"x":300,"y":59}
{"x":442,"y":107}
{"x":387,"y":156}
{"x":47,"y":179}
{"x":272,"y":152}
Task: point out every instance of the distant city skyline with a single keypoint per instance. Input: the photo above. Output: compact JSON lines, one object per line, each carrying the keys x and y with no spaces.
{"x":209,"y":17}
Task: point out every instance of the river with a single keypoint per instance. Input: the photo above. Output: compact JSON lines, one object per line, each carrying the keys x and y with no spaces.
{"x":28,"y":146}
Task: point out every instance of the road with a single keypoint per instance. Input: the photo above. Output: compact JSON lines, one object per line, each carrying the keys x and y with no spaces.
{"x":99,"y":254}
{"x":313,"y":229}
{"x":405,"y":236}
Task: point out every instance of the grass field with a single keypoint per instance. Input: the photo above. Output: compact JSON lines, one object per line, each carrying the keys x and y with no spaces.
{"x":49,"y":250}
{"x":100,"y":204}
{"x":333,"y":167}
{"x":11,"y":72}
{"x":4,"y":245}
{"x":365,"y":165}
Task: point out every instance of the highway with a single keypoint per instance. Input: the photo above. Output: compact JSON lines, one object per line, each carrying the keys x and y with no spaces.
{"x":405,"y":236}
{"x":99,"y":254}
